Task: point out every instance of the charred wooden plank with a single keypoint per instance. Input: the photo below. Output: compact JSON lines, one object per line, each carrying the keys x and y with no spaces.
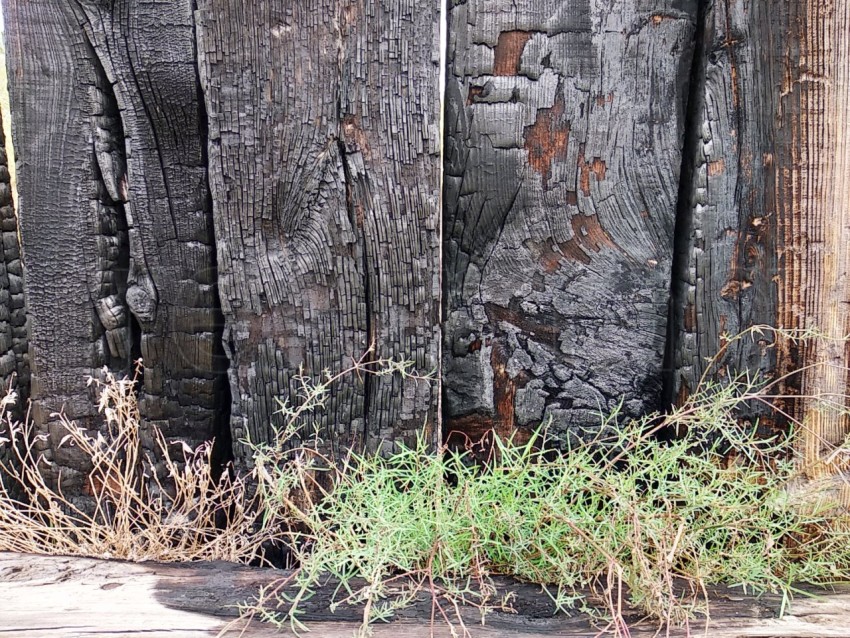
{"x":117,"y":221}
{"x":564,"y":129}
{"x":729,"y":274}
{"x":14,"y":351}
{"x":325,"y":180}
{"x":147,"y":51}
{"x":14,"y":342}
{"x":69,"y":223}
{"x":769,"y":228}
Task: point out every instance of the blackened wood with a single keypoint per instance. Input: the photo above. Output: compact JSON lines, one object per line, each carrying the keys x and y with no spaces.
{"x":116,"y":218}
{"x":64,"y":209}
{"x":14,"y":351}
{"x":324,"y":169}
{"x":770,"y":231}
{"x":147,"y":52}
{"x":730,"y":273}
{"x":564,"y":130}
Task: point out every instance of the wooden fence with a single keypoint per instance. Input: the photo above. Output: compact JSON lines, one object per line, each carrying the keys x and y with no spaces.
{"x":233,"y":189}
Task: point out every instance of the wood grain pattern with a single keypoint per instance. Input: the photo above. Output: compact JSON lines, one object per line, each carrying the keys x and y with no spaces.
{"x":116,"y":219}
{"x":256,"y":185}
{"x":88,"y":598}
{"x":64,"y":208}
{"x":769,"y":205}
{"x":814,"y":288}
{"x":564,"y":129}
{"x":325,"y":178}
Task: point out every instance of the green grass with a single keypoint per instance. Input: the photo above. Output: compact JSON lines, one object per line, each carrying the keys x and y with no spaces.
{"x":627,"y":517}
{"x":624,"y":519}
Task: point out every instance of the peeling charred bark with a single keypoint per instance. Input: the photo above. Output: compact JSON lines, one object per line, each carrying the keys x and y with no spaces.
{"x":115,"y":210}
{"x":324,"y":171}
{"x":564,"y":129}
{"x":770,"y":206}
{"x":14,"y":354}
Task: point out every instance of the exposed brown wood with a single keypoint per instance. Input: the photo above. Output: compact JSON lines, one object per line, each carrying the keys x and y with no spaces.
{"x":66,"y":597}
{"x":325,"y":179}
{"x":769,"y":207}
{"x":816,"y":230}
{"x":564,"y":130}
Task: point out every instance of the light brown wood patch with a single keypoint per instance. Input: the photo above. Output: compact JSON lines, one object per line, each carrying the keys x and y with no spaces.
{"x":507,"y":55}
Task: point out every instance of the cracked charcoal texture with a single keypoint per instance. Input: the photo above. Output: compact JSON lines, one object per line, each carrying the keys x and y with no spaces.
{"x":115,"y":210}
{"x":14,"y":352}
{"x":241,"y":191}
{"x":770,"y":208}
{"x":564,"y":133}
{"x":324,"y":170}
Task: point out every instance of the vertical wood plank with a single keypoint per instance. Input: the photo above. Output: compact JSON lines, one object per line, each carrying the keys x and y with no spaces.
{"x":324,"y":171}
{"x":115,"y":214}
{"x":814,"y":204}
{"x":62,"y":203}
{"x":14,"y":350}
{"x":730,"y":273}
{"x":146,"y":50}
{"x":565,"y":123}
{"x":770,"y":210}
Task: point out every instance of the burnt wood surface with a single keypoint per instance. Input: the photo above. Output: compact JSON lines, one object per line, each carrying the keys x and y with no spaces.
{"x":71,"y":228}
{"x":729,"y":280}
{"x":324,"y":172}
{"x":564,"y":130}
{"x":14,"y":350}
{"x":324,"y":169}
{"x":115,"y":209}
{"x":764,"y":228}
{"x":233,"y":190}
{"x":70,"y":597}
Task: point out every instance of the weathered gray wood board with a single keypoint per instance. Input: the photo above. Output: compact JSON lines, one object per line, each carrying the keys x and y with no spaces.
{"x":769,"y":230}
{"x":66,"y":597}
{"x":115,"y":212}
{"x":324,"y":170}
{"x":564,"y":130}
